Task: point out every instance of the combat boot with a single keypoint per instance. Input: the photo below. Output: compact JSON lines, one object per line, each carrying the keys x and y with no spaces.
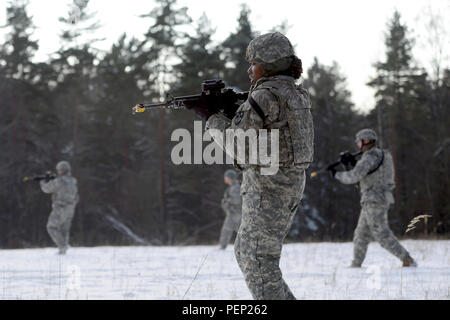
{"x":355,"y":265}
{"x":409,"y":262}
{"x":63,"y":250}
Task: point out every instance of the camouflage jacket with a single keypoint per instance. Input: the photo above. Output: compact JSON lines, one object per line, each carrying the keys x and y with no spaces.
{"x":63,"y":189}
{"x":286,"y":106}
{"x":232,"y":200}
{"x":377,"y":186}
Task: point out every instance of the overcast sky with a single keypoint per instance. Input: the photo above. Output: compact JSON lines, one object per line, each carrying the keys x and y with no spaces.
{"x":350,"y":32}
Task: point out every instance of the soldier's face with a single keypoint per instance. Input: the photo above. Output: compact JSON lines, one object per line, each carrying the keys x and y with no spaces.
{"x":359,"y":144}
{"x":255,"y":71}
{"x":228,"y":181}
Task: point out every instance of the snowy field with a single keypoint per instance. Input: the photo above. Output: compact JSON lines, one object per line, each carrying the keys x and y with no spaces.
{"x":312,"y":270}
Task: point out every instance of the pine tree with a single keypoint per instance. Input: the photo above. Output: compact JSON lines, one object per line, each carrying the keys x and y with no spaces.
{"x":29,"y":126}
{"x":397,"y":97}
{"x":335,"y":124}
{"x":438,"y":163}
{"x":74,"y":71}
{"x":162,"y":40}
{"x":74,"y":63}
{"x":199,"y":60}
{"x":112,"y":154}
{"x":197,"y":189}
{"x":234,"y":49}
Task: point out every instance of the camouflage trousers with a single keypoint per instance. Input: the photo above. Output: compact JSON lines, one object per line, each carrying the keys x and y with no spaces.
{"x":58,"y":225}
{"x":373,"y":225}
{"x":230,"y":225}
{"x":268,"y":209}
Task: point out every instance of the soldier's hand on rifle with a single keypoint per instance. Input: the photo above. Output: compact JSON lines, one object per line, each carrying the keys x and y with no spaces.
{"x":49,"y":176}
{"x":346,"y":158}
{"x":332,"y":169}
{"x":231,"y":111}
{"x":203,"y":112}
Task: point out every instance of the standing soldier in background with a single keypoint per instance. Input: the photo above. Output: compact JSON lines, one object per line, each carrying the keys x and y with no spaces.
{"x":375,"y":174}
{"x":232,"y":206}
{"x":269,"y":202}
{"x":64,"y":199}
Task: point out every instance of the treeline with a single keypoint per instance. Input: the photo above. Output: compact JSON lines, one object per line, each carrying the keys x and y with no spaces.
{"x":76,"y":107}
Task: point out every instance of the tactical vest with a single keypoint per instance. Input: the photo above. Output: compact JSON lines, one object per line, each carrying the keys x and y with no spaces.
{"x":379,"y":164}
{"x":378,"y":185}
{"x":295,"y":118}
{"x":68,"y":191}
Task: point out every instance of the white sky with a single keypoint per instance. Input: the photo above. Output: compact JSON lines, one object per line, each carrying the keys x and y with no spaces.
{"x":350,"y":32}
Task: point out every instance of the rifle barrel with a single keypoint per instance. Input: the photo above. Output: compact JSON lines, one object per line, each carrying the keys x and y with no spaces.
{"x":335,"y":164}
{"x":182,"y":101}
{"x":174,"y":103}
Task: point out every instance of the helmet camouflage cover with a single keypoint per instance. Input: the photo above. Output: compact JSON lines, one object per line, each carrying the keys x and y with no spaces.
{"x":64,"y":166}
{"x":272,"y":50}
{"x":366,"y":134}
{"x":230,"y":174}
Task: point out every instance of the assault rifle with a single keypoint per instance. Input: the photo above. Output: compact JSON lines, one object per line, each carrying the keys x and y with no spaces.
{"x":47,"y":177}
{"x":212,"y":99}
{"x":345,"y":158}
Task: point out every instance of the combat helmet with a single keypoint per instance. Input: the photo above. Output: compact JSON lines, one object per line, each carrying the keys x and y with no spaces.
{"x":272,"y":50}
{"x":64,"y":166}
{"x":366,"y":134}
{"x":230,"y":174}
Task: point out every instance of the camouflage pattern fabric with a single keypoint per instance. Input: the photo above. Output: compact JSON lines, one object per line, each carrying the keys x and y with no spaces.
{"x":59,"y":223}
{"x":270,"y":201}
{"x":376,"y":197}
{"x":373,"y":225}
{"x":269,"y":206}
{"x":366,"y":134}
{"x":64,"y":199}
{"x":272,"y":50}
{"x":232,"y":206}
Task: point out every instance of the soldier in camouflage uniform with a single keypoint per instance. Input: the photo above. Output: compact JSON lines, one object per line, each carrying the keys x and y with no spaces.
{"x":232,"y":206}
{"x":64,"y":199}
{"x":375,"y":174}
{"x":270,"y":201}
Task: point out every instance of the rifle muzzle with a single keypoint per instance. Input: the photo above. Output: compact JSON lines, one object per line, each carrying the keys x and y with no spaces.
{"x":139,"y":108}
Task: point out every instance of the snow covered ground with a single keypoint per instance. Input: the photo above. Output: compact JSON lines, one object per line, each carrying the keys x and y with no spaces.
{"x":312,"y":270}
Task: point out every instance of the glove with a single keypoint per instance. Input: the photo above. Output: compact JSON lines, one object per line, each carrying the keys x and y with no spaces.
{"x":230,"y":111}
{"x":346,"y":159}
{"x":203,"y":112}
{"x":48,"y":176}
{"x":332,"y":170}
